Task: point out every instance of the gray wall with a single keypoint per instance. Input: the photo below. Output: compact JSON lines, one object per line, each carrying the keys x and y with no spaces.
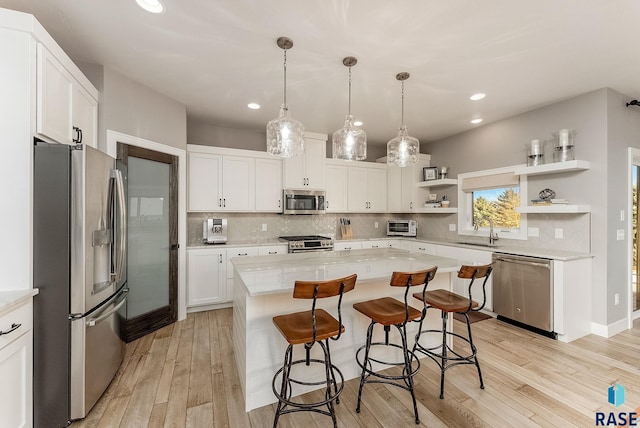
{"x":132,"y":108}
{"x":208,"y":134}
{"x":604,"y":129}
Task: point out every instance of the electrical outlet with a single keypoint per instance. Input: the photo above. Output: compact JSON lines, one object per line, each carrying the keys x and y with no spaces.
{"x":375,"y":224}
{"x":620,"y":234}
{"x":452,"y":227}
{"x":621,"y":215}
{"x":264,"y":227}
{"x":534,"y":232}
{"x":616,"y":299}
{"x":559,"y":233}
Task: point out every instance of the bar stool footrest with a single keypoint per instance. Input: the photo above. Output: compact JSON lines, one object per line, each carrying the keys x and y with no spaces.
{"x":285,"y":396}
{"x":369,"y":371}
{"x":455,"y":360}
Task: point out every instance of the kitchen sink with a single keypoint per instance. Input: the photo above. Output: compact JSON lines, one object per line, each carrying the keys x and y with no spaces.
{"x":476,"y":244}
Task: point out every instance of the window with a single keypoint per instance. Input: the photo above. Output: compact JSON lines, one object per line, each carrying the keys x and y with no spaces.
{"x":489,"y":199}
{"x":498,"y":206}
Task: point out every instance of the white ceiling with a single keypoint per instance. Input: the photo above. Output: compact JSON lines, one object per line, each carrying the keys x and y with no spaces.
{"x":215,"y":56}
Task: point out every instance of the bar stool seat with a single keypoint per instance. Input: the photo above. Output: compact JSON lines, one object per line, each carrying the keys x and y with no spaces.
{"x":448,"y":302}
{"x":388,"y":312}
{"x":308,"y":328}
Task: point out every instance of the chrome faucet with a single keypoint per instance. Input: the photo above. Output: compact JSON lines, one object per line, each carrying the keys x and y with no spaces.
{"x":493,"y":237}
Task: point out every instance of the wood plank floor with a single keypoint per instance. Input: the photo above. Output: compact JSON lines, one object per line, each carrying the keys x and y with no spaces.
{"x":184,"y":375}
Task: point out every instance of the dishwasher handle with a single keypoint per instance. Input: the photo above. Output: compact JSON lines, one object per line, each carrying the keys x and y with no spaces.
{"x":523,"y":262}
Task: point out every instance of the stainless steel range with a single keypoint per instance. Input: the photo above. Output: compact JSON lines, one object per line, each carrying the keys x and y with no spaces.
{"x":299,"y":244}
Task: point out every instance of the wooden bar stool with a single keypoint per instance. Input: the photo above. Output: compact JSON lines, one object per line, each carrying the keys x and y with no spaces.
{"x":388,"y":311}
{"x":309,"y":328}
{"x":449,"y":302}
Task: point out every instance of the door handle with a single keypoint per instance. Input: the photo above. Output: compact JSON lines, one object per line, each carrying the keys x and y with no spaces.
{"x":174,"y":246}
{"x":97,"y":320}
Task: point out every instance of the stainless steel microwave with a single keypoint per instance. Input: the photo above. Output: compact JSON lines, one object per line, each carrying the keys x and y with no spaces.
{"x":402,"y":228}
{"x":303,"y":201}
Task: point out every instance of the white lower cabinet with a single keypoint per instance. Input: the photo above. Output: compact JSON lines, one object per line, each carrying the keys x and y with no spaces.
{"x":206,"y":277}
{"x":271,"y":250}
{"x":347,"y":245}
{"x":376,"y":244}
{"x":16,"y":368}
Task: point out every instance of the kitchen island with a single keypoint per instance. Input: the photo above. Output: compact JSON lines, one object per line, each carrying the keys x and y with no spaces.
{"x":263,"y":288}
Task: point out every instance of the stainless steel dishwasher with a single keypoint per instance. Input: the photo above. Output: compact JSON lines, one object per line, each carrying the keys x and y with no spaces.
{"x":523,"y":291}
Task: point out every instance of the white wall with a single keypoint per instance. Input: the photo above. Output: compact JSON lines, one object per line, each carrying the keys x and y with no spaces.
{"x":605,"y":127}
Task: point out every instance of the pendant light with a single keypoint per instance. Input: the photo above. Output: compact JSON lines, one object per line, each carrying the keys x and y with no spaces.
{"x":403,"y":150}
{"x":285,"y":135}
{"x":349,"y":142}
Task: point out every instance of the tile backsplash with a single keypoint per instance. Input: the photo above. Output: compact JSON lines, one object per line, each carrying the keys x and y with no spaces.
{"x":247,"y":228}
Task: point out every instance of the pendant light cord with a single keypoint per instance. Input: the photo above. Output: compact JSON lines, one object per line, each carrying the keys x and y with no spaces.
{"x":402,"y":109}
{"x":349,"y":91}
{"x":285,"y":78}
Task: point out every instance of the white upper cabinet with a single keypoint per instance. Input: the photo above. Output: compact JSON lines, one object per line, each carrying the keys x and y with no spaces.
{"x":307,"y":171}
{"x":66,"y":112}
{"x":220,"y":183}
{"x":204,"y":182}
{"x":268,"y":186}
{"x":337,"y":178}
{"x":403,"y":193}
{"x":367,"y":188}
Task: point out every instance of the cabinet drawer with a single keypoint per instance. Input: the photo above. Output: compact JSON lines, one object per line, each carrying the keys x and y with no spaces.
{"x":272,"y":250}
{"x":238,"y":252}
{"x":23,"y":316}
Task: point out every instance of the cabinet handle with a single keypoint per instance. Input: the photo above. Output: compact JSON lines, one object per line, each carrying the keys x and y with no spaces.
{"x":279,"y":202}
{"x":79,"y":136}
{"x":273,"y":252}
{"x":224,"y":202}
{"x":14,"y":327}
{"x":243,"y":254}
{"x":326,"y":204}
{"x":220,"y":202}
{"x":220,"y":257}
{"x":422,"y":249}
{"x":411,"y":205}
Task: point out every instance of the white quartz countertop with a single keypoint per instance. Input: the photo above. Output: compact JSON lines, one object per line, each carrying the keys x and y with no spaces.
{"x":277,"y":273}
{"x":499,"y":248}
{"x":14,"y":298}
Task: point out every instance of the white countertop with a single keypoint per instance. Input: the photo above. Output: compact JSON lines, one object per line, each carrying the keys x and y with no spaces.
{"x":277,"y":273}
{"x":499,"y":248}
{"x":14,"y":298}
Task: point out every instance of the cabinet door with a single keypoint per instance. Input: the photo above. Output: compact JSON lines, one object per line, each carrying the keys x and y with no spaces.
{"x":376,"y":244}
{"x":85,"y":115}
{"x":271,"y":250}
{"x":294,"y":177}
{"x":54,"y":94}
{"x":394,"y":189}
{"x":347,"y":245}
{"x":377,"y":190}
{"x":268,"y":185}
{"x":408,"y":193}
{"x":16,"y":372}
{"x":315,"y":152}
{"x":337,"y":179}
{"x":358,"y":201}
{"x":206,"y":282}
{"x":238,"y":184}
{"x":204,"y":182}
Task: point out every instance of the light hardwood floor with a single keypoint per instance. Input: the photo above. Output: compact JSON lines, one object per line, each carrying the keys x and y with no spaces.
{"x":184,"y":375}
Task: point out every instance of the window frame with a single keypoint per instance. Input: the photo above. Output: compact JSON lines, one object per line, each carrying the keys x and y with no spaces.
{"x":465,"y":207}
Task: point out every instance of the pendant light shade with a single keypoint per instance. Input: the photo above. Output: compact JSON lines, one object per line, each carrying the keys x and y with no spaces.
{"x":403,"y":150}
{"x":285,"y":135}
{"x":349,"y":142}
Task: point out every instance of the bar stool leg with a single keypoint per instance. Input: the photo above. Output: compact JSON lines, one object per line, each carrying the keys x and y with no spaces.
{"x":407,"y":369}
{"x":285,"y":390}
{"x":329,"y":377}
{"x":444,"y":352}
{"x":474,"y":351}
{"x":365,"y":361}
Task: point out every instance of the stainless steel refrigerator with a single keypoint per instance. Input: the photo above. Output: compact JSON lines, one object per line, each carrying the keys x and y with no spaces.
{"x":79,"y":241}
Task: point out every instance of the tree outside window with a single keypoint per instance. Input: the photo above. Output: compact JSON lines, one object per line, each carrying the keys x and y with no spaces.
{"x":498,"y":205}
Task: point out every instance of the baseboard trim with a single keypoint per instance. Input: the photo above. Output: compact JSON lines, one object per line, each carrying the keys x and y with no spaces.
{"x":611,"y":329}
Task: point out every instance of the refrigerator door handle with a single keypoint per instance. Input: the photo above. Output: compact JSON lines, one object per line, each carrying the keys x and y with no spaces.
{"x":121,"y":242}
{"x":103,"y":316}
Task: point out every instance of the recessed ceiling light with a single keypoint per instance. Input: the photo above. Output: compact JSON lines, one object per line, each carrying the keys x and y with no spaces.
{"x":153,"y":6}
{"x":253,"y":106}
{"x":357,"y":122}
{"x":474,"y":121}
{"x":476,"y":97}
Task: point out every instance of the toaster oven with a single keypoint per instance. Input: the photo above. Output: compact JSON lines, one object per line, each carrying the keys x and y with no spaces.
{"x":402,"y":228}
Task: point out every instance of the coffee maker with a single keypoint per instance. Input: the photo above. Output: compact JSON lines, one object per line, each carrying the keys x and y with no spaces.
{"x":214,"y":231}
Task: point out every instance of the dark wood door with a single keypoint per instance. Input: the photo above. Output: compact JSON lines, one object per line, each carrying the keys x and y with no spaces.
{"x":151,"y":183}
